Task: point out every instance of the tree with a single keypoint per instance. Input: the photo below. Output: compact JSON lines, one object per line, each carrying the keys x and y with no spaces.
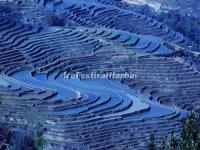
{"x":39,"y":142}
{"x":152,"y":143}
{"x":164,"y":145}
{"x":190,"y":135}
{"x":189,"y":138}
{"x":173,"y":144}
{"x":1,"y":98}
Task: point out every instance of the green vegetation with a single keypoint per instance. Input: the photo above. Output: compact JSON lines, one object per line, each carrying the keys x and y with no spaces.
{"x":54,"y":20}
{"x":8,"y":10}
{"x":1,"y":99}
{"x":187,"y":24}
{"x":38,"y":139}
{"x":152,"y":143}
{"x":189,"y":138}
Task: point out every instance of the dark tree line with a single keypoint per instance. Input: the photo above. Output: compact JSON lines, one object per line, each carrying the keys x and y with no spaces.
{"x":189,"y":138}
{"x":186,"y":24}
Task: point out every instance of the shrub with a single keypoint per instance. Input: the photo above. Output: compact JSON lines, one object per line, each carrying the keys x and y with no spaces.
{"x":54,"y":20}
{"x":152,"y":143}
{"x":38,"y":139}
{"x":188,"y":25}
{"x":189,"y":138}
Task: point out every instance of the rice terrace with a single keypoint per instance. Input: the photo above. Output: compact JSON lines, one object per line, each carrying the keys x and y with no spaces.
{"x":92,"y":75}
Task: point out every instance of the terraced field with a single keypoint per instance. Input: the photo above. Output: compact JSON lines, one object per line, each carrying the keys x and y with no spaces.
{"x":97,"y":36}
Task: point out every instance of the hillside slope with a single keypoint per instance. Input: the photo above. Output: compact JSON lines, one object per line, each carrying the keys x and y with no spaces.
{"x":43,"y":43}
